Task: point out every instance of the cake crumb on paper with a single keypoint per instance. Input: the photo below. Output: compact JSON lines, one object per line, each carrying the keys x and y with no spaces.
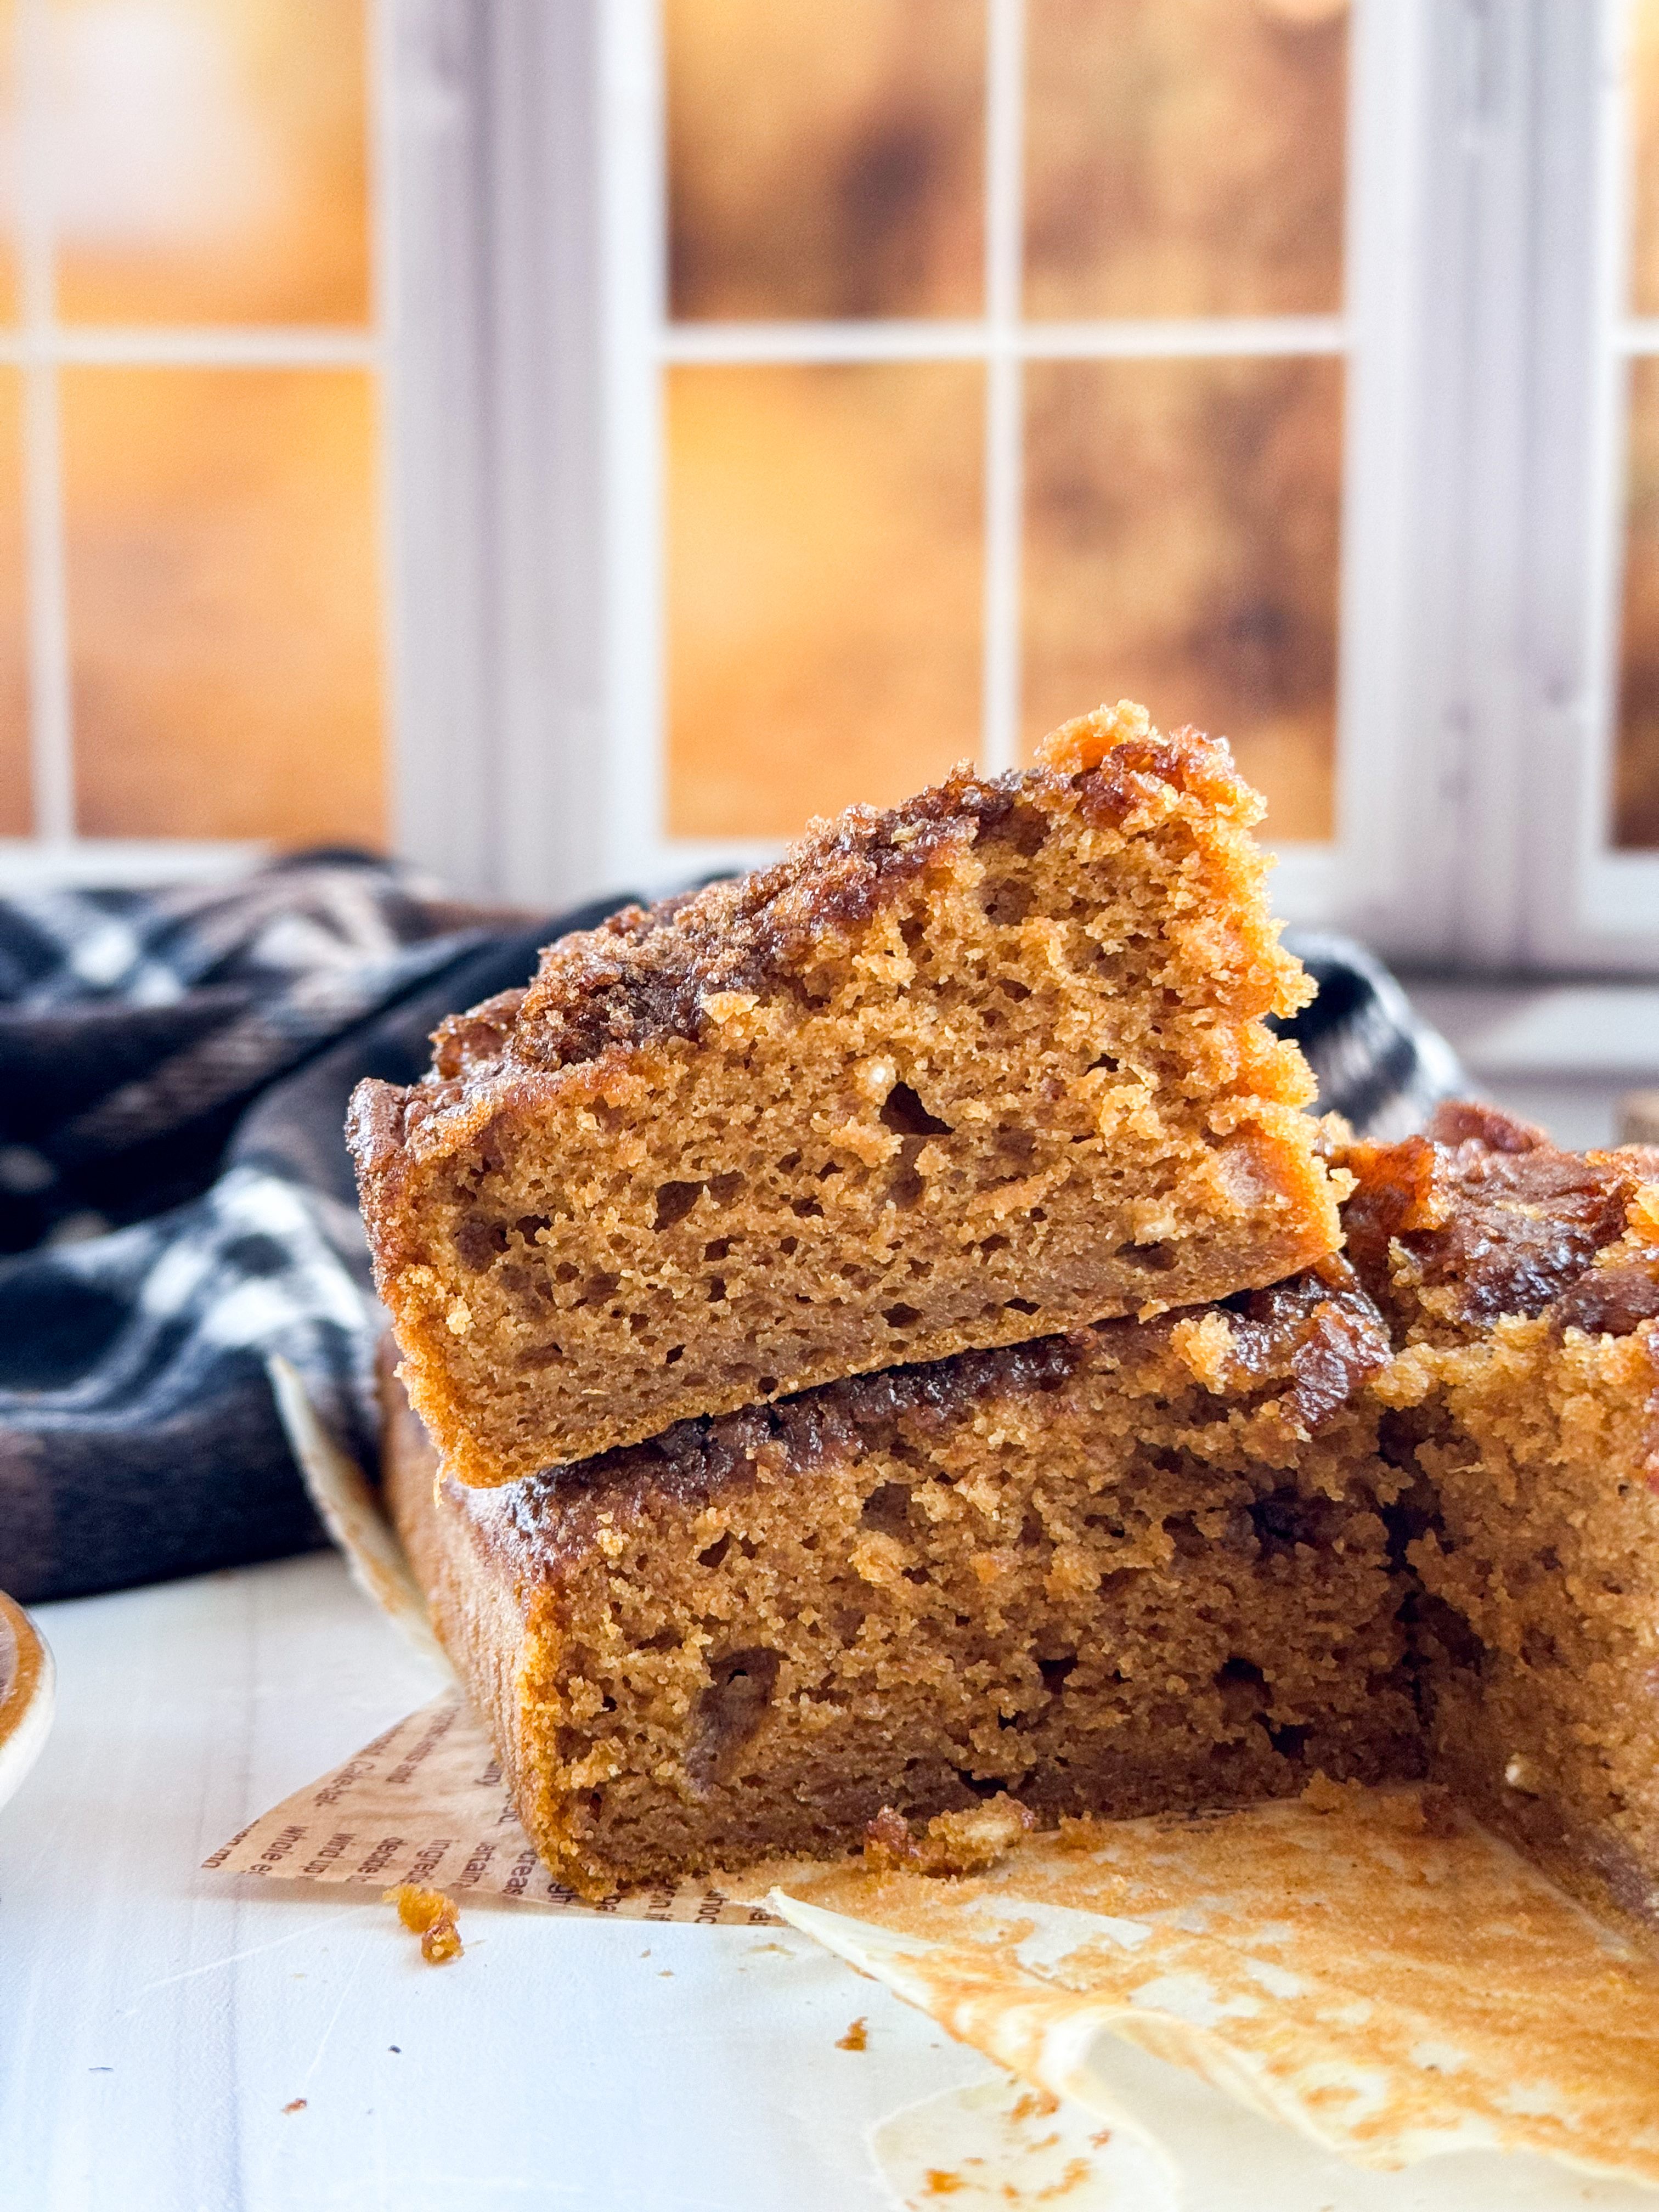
{"x":424,"y":1803}
{"x":430,"y":1915}
{"x":857,"y":2037}
{"x":952,"y":1842}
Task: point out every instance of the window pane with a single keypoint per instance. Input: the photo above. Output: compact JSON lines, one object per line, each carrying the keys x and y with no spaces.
{"x":224,"y":603}
{"x":9,"y":149}
{"x":1635,"y":769}
{"x":1644,"y":95}
{"x":1181,"y":548}
{"x":211,"y":161}
{"x":16,"y":809}
{"x":1185,"y":157}
{"x":825,"y":162}
{"x":823,"y":578}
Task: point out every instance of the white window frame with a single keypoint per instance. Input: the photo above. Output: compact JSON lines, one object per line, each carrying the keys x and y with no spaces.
{"x":495,"y":459}
{"x":520,"y":336}
{"x":545,"y":791}
{"x":1597,"y":908}
{"x":1520,"y":454}
{"x":1518,"y":636}
{"x":641,"y":343}
{"x":533,"y":337}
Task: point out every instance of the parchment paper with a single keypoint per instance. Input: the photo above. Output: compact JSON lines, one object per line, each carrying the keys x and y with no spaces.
{"x":1370,"y":1969}
{"x":425,"y":1803}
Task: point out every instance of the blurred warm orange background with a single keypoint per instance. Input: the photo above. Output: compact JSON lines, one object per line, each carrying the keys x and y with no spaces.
{"x":1184,"y":157}
{"x":1182,"y":523}
{"x":221,"y":525}
{"x":824,"y":550}
{"x":223,"y":585}
{"x":1182,"y":547}
{"x":824,"y":588}
{"x":212,"y":161}
{"x":825,"y":162}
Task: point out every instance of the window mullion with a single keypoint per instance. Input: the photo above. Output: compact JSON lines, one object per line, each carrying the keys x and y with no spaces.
{"x":1573,"y":537}
{"x":1519,"y":634}
{"x":1488,"y":707}
{"x":542,"y":227}
{"x":1437,"y":484}
{"x":1004,"y":410}
{"x":1383,"y":876}
{"x":435,"y":132}
{"x":632,"y":219}
{"x":1594,"y":908}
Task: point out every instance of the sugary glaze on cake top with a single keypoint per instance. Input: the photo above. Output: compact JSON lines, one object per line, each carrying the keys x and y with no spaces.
{"x":649,"y":973}
{"x":981,"y":1067}
{"x":1286,"y":1360}
{"x":1483,"y":1216}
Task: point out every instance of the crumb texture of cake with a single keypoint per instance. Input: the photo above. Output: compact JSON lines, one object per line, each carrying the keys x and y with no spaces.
{"x":986,"y":1066}
{"x":1142,"y":1566}
{"x":1524,"y":1284}
{"x":1384,"y":1520}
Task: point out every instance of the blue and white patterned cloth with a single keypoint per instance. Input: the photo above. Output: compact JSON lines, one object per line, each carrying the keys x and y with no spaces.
{"x":177,"y":1202}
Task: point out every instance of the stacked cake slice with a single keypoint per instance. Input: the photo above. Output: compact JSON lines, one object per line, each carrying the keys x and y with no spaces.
{"x":879,"y":1334}
{"x":962,"y":1074}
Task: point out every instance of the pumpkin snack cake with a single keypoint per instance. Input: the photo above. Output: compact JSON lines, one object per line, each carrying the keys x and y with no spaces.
{"x":1396,"y":1516}
{"x":988,"y":1066}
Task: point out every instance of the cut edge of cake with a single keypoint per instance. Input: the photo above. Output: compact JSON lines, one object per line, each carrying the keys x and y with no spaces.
{"x":750,"y":1636}
{"x":981,"y":1066}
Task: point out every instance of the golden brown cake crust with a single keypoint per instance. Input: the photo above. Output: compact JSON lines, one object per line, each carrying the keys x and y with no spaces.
{"x":985,"y":1066}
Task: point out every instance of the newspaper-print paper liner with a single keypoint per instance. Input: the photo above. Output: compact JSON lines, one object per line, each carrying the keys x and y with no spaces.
{"x":425,"y":1803}
{"x":1380,"y":1976}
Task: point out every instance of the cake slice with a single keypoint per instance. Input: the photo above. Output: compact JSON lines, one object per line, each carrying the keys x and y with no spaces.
{"x":1523,"y":1287}
{"x":1148,"y":1565}
{"x":986,"y":1066}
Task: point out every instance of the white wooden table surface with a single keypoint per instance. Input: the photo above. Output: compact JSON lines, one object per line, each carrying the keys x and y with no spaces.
{"x":155,"y":2020}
